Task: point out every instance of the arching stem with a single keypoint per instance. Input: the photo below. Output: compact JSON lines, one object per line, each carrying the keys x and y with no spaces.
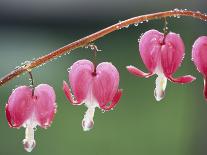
{"x":97,"y":35}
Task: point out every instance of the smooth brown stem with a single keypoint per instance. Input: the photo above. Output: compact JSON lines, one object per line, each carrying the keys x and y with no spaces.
{"x":88,"y":39}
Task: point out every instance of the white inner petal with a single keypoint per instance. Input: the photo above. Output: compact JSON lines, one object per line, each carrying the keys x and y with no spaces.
{"x":91,"y":103}
{"x":29,"y":141}
{"x":87,"y":122}
{"x":161,"y":83}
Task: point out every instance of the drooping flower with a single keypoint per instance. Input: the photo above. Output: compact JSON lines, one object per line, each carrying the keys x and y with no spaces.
{"x":199,"y":57}
{"x":94,"y":86}
{"x":162,"y":55}
{"x":29,"y":109}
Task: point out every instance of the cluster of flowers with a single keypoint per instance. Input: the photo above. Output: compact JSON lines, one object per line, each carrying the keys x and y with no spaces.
{"x":96,"y":86}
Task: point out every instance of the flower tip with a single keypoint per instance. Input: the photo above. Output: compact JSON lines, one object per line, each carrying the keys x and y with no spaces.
{"x":183,"y":79}
{"x":68,"y":94}
{"x":137,"y":72}
{"x":159,"y":95}
{"x":29,"y":145}
{"x":65,"y":85}
{"x":193,"y":78}
{"x":87,"y":125}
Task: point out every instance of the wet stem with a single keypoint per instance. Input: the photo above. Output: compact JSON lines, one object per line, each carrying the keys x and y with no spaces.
{"x":165,"y":28}
{"x":97,"y":35}
{"x":32,"y":82}
{"x":94,"y":49}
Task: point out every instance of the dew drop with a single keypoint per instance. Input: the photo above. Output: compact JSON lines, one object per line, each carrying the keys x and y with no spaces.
{"x":176,"y":9}
{"x":126,"y":26}
{"x":17,"y":67}
{"x":136,"y":24}
{"x":69,"y":69}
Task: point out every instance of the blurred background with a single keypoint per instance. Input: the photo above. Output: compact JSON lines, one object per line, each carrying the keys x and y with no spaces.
{"x":177,"y":125}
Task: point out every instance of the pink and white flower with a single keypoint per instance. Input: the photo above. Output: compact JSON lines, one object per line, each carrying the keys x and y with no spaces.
{"x":93,"y":86}
{"x":199,"y":57}
{"x":162,"y":55}
{"x":29,"y":109}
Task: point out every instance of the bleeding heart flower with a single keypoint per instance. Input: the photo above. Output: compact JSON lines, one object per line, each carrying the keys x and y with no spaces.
{"x":94,"y":86}
{"x":162,"y":55}
{"x":199,"y":57}
{"x":25,"y":109}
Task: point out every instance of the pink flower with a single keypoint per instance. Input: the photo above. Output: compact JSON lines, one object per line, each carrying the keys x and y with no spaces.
{"x":199,"y":57}
{"x":162,"y":55}
{"x":94,"y":86}
{"x":25,"y":109}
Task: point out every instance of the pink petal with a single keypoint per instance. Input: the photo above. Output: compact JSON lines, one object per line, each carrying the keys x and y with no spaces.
{"x":19,"y":106}
{"x":80,"y":77}
{"x":105,"y":83}
{"x":172,"y":53}
{"x":199,"y":54}
{"x":205,"y":88}
{"x":149,"y":47}
{"x":68,"y":94}
{"x":8,"y":116}
{"x":182,"y":79}
{"x":135,"y":71}
{"x":45,"y":106}
{"x":114,"y":101}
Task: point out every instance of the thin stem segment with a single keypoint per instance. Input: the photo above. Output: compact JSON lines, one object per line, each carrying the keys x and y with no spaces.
{"x":31,"y":82}
{"x":94,"y":49}
{"x":97,"y":35}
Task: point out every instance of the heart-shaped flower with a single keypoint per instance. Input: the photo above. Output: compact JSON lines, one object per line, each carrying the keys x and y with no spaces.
{"x":162,"y":55}
{"x":199,"y":57}
{"x":28,"y":109}
{"x":94,"y":86}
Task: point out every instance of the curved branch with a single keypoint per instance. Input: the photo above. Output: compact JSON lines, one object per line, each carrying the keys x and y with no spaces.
{"x":88,"y":39}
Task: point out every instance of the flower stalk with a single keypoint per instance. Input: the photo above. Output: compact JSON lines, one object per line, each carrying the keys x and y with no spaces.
{"x":97,"y":35}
